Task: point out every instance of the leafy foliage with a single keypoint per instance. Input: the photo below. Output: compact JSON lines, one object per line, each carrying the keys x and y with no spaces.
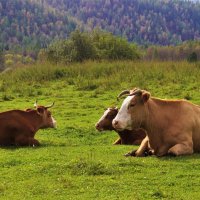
{"x":2,"y":61}
{"x":192,"y":57}
{"x":143,"y":21}
{"x":33,"y":24}
{"x":95,"y":45}
{"x":174,"y":53}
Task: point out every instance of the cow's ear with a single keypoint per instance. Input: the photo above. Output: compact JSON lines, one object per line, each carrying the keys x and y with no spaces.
{"x":145,"y":96}
{"x":40,"y":110}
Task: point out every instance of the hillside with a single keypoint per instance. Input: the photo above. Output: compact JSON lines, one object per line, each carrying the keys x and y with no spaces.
{"x":26,"y":24}
{"x":35,"y":23}
{"x":143,"y":21}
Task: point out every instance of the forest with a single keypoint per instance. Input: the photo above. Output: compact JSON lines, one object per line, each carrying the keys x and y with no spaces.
{"x":33,"y":24}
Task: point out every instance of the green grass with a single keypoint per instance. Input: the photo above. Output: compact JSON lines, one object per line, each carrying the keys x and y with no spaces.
{"x":77,"y":162}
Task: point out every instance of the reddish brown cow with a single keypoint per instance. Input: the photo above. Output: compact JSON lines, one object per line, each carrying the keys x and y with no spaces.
{"x":133,"y":137}
{"x":18,"y":127}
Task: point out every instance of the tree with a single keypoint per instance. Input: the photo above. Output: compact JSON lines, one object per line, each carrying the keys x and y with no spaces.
{"x":192,"y":57}
{"x":83,"y":45}
{"x":2,"y":61}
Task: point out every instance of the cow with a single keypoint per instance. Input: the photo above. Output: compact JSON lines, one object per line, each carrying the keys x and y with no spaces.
{"x":128,"y":137}
{"x":173,"y":126}
{"x":18,"y":127}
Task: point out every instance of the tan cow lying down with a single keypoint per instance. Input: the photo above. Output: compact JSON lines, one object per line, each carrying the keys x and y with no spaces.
{"x":173,"y":126}
{"x":18,"y":127}
{"x":133,"y":137}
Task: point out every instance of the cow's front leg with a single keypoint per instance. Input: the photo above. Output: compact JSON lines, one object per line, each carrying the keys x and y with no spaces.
{"x":26,"y":141}
{"x":141,"y":150}
{"x":33,"y":142}
{"x":181,"y":149}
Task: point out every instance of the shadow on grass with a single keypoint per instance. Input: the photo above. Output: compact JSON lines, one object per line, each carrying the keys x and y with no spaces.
{"x":43,"y":145}
{"x":180,"y":158}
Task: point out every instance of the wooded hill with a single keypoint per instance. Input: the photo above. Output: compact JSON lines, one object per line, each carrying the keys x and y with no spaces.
{"x":34,"y":24}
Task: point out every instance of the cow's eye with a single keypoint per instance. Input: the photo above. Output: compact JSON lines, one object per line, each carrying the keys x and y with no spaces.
{"x":131,"y":105}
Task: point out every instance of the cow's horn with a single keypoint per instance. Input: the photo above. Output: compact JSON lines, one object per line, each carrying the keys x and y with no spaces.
{"x":123,"y":93}
{"x":35,"y":104}
{"x":49,"y":106}
{"x":137,"y":92}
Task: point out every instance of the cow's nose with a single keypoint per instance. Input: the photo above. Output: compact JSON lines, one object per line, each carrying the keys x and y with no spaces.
{"x":97,"y":126}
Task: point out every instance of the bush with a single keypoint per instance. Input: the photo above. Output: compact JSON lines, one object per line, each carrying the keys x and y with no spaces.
{"x":61,"y":51}
{"x":192,"y":57}
{"x":83,"y":45}
{"x":2,"y":61}
{"x":95,"y":45}
{"x":114,"y":48}
{"x":9,"y":62}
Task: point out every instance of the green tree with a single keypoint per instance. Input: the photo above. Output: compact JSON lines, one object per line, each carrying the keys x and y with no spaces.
{"x":83,"y":45}
{"x":2,"y":61}
{"x":93,"y":45}
{"x":61,"y":51}
{"x":192,"y":57}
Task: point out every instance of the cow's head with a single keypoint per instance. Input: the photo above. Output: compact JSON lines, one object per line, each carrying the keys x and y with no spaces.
{"x":47,"y":119}
{"x":133,"y":110}
{"x":105,"y":122}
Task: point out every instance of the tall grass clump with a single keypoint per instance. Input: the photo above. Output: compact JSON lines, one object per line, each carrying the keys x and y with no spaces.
{"x":174,"y":77}
{"x":88,"y":167}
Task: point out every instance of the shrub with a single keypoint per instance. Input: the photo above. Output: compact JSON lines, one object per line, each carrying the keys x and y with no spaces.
{"x":83,"y":45}
{"x":9,"y":63}
{"x":2,"y":61}
{"x":61,"y":51}
{"x":95,"y":45}
{"x":114,"y":48}
{"x":192,"y":57}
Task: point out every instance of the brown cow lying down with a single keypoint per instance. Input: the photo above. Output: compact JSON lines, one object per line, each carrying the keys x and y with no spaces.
{"x":173,"y":126}
{"x":133,"y":137}
{"x":18,"y":127}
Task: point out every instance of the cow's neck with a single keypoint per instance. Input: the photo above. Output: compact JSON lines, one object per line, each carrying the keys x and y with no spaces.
{"x":157,"y":120}
{"x":36,"y":120}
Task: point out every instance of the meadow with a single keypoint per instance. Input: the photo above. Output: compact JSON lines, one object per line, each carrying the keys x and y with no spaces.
{"x":75,"y":161}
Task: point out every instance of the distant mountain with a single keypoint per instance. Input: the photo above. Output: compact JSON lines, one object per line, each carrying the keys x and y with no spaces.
{"x":35,"y":23}
{"x":144,"y":21}
{"x":28,"y":24}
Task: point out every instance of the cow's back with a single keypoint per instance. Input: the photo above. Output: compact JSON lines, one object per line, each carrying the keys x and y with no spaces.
{"x":12,"y":123}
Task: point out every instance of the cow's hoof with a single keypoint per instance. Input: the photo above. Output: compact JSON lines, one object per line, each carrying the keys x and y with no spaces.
{"x":150,"y":152}
{"x":171,"y":154}
{"x":146,"y":153}
{"x":132,"y":153}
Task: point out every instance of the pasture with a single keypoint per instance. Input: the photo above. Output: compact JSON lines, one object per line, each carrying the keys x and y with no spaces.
{"x":75,"y":161}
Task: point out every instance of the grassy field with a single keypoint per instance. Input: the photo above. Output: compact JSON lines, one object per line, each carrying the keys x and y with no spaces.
{"x":75,"y":161}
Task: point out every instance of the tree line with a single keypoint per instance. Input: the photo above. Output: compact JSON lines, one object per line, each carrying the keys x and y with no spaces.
{"x":99,"y":45}
{"x":29,"y":25}
{"x":160,"y":22}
